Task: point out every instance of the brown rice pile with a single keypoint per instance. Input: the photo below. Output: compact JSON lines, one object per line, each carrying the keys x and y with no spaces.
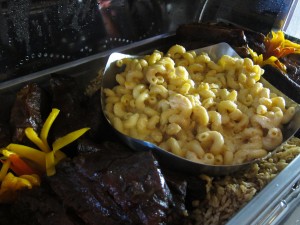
{"x":226,"y":195}
{"x":95,"y":84}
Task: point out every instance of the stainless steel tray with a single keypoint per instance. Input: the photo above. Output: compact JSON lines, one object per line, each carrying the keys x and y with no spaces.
{"x":176,"y":162}
{"x":275,"y":201}
{"x":257,"y":210}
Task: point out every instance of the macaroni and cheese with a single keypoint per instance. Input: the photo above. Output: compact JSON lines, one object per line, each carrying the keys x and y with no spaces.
{"x":208,"y":112}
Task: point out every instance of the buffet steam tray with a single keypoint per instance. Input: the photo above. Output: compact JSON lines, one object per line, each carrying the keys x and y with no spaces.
{"x":267,"y":207}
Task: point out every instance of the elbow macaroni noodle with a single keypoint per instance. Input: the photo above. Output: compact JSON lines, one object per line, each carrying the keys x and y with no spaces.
{"x":209,"y":112}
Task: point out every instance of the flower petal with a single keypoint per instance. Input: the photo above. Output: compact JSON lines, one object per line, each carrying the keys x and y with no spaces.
{"x":33,"y":136}
{"x":47,"y":125}
{"x":67,"y":139}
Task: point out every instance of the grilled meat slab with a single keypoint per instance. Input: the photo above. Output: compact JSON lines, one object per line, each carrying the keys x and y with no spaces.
{"x":112,"y":185}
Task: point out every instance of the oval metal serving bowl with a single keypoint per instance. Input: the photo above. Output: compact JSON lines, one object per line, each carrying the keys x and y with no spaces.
{"x":171,"y":160}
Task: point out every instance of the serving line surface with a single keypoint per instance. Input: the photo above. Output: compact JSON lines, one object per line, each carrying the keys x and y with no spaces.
{"x":87,"y":68}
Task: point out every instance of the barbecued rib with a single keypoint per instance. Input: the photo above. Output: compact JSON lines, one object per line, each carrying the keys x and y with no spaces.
{"x":112,"y":185}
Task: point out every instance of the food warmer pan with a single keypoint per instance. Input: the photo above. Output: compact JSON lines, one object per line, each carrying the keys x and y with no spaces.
{"x":272,"y":205}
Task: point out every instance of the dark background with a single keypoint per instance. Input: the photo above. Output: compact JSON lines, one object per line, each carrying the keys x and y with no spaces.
{"x":35,"y":34}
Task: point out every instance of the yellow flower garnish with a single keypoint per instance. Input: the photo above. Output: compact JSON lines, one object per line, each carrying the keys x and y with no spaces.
{"x":43,"y":157}
{"x":46,"y":157}
{"x":11,"y":184}
{"x":276,"y":47}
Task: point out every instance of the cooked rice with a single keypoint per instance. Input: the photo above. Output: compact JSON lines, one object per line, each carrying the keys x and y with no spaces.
{"x":226,"y":195}
{"x":95,"y":84}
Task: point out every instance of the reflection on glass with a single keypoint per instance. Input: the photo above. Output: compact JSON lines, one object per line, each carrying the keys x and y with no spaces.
{"x":38,"y":34}
{"x":259,"y":15}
